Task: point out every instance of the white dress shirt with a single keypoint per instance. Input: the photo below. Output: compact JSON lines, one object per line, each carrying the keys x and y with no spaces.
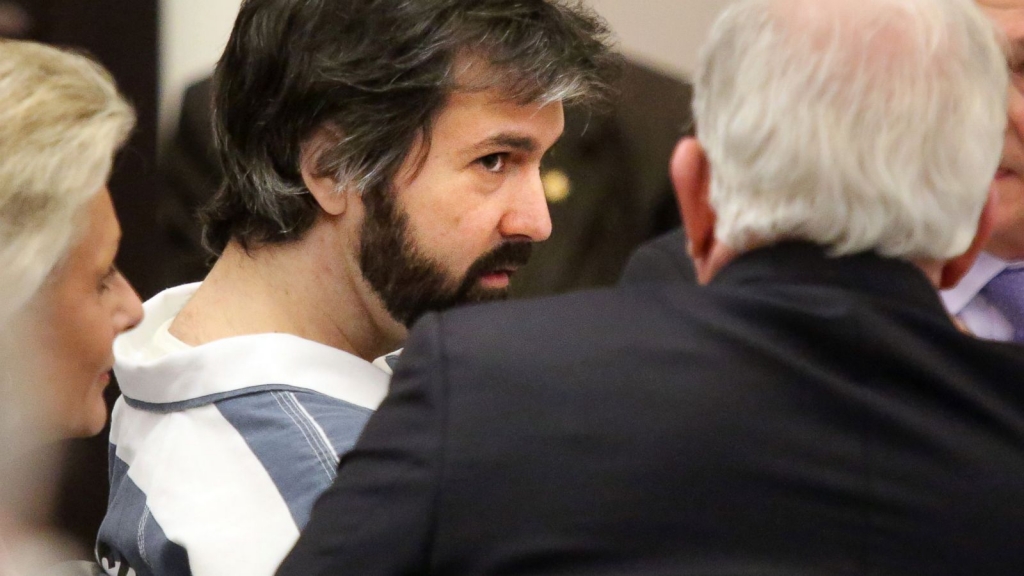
{"x":970,"y":307}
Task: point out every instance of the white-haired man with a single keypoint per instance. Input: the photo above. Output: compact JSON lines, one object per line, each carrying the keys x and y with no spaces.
{"x":990,"y":298}
{"x":811,"y":410}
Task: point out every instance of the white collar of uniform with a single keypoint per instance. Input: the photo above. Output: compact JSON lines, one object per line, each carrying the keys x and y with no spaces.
{"x":235,"y":366}
{"x":388,"y":361}
{"x":985,"y":268}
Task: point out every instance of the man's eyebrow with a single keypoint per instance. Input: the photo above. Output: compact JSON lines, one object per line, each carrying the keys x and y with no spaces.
{"x":507,"y":140}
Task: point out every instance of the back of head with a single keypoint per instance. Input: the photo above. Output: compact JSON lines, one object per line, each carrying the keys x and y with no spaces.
{"x":61,"y":122}
{"x":373,"y":74}
{"x":873,"y":125}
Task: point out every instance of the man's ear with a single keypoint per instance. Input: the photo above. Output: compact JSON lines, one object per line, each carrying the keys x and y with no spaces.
{"x":324,"y":189}
{"x":956,"y":268}
{"x":691,"y":178}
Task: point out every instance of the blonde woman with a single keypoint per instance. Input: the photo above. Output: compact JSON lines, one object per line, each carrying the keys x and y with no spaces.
{"x":62,"y":301}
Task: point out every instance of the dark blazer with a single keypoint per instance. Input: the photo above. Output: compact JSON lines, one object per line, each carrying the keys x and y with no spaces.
{"x":663,"y":259}
{"x":799,"y":416}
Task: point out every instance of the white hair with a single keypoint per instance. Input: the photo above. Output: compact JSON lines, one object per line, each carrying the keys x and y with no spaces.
{"x":61,"y":122}
{"x":873,"y":125}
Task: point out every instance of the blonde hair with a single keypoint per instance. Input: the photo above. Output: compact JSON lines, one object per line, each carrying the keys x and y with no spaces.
{"x":61,"y":122}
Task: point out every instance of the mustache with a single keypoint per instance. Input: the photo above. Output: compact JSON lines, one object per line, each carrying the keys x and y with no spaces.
{"x":507,"y":255}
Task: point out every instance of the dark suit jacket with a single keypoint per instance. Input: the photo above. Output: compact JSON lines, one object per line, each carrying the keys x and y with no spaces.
{"x":799,"y":416}
{"x":663,"y":259}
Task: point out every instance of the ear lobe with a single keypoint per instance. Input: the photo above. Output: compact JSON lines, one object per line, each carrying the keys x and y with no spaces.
{"x":691,"y":178}
{"x":324,"y":188}
{"x":957,"y":267}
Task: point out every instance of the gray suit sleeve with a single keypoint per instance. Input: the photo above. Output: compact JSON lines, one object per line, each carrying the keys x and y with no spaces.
{"x":377,"y":518}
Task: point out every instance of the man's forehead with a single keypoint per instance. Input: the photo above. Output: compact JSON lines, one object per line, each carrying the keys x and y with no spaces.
{"x":490,"y":105}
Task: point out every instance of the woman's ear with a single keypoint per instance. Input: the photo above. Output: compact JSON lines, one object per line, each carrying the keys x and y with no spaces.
{"x":324,"y":188}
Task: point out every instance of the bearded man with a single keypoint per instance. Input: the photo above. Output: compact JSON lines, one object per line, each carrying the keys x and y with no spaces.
{"x":382,"y":160}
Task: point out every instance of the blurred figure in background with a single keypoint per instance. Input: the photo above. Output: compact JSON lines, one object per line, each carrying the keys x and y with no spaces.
{"x":15,"y":21}
{"x":62,"y":301}
{"x":663,"y":259}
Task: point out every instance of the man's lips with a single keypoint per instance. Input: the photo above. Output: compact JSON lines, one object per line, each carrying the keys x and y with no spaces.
{"x":497,"y":279}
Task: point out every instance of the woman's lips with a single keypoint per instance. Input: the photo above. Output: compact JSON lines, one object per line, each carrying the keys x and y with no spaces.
{"x":1004,"y":173}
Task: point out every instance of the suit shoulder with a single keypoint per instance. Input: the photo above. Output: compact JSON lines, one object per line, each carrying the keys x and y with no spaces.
{"x":557,"y":325}
{"x":659,"y":260}
{"x":549,"y":311}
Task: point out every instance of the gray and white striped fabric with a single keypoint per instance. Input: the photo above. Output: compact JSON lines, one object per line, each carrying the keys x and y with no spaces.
{"x":218,"y":452}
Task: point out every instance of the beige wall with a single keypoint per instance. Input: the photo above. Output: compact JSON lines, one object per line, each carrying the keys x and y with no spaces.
{"x":193,"y":33}
{"x":663,"y":33}
{"x":666,"y":34}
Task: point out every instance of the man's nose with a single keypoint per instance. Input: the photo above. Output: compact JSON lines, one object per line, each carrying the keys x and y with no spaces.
{"x":527,"y":215}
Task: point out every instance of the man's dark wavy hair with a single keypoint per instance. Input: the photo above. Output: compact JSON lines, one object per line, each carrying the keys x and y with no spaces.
{"x":373,"y":75}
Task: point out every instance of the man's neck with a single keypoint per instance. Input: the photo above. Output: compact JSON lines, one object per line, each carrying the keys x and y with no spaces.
{"x":304,"y":288}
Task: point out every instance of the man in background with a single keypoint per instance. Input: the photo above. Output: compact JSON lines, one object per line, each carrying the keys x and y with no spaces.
{"x":381,"y":160}
{"x":811,"y":410}
{"x":662,"y":259}
{"x":989,"y":301}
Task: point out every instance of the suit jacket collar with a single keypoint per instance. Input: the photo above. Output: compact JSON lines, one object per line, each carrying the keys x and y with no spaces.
{"x":807,"y":263}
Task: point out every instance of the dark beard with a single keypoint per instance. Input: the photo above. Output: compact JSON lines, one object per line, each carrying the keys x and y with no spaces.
{"x":411,"y":284}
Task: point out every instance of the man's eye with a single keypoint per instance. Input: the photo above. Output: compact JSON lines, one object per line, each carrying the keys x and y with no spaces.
{"x":493,"y":162}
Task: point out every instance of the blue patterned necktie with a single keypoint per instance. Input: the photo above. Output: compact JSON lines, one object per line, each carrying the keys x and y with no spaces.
{"x":1005,"y":293}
